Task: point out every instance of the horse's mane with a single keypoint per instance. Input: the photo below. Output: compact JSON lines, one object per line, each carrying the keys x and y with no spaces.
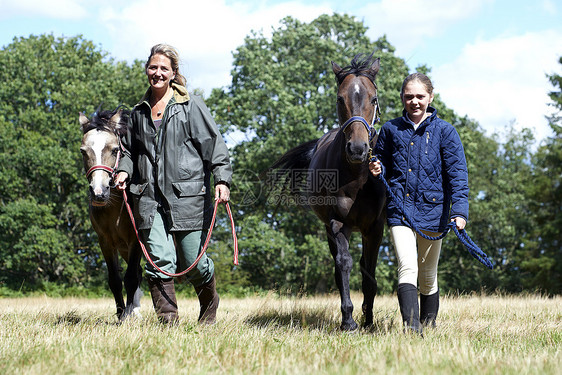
{"x":102,"y":121}
{"x":359,"y":66}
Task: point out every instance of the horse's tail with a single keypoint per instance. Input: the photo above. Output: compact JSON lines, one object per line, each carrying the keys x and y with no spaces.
{"x":283,"y":171}
{"x":296,"y":158}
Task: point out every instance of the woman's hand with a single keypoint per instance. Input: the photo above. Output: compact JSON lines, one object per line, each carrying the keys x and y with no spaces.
{"x":120,"y":180}
{"x":375,"y":168}
{"x":461,"y":223}
{"x":222,"y":193}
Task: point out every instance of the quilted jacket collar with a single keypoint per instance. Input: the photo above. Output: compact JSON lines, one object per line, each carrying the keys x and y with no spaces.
{"x":427,"y":121}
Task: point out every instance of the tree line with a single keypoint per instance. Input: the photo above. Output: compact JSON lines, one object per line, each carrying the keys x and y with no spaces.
{"x":282,"y":94}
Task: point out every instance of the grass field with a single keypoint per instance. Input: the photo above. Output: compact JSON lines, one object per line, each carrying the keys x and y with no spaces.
{"x":279,"y":335}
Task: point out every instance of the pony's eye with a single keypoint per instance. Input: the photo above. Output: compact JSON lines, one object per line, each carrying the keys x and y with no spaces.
{"x":115,"y":151}
{"x":374,"y":100}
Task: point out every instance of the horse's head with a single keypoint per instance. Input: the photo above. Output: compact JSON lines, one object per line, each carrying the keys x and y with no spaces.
{"x":357,"y":105}
{"x":101,"y":151}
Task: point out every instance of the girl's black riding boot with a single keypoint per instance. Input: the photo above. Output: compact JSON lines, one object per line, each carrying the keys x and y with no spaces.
{"x":163,"y":295}
{"x":429,"y":306}
{"x":208,"y":301}
{"x":409,"y":307}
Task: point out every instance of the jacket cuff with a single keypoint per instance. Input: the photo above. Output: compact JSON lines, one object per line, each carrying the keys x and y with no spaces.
{"x":459,"y":215}
{"x":223,"y":183}
{"x":125,"y":165}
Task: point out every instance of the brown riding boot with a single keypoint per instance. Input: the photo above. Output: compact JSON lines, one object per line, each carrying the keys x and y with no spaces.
{"x":163,"y":295}
{"x":208,"y":301}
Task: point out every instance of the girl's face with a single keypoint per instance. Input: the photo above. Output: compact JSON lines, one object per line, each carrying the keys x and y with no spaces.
{"x":159,"y":72}
{"x":416,"y":99}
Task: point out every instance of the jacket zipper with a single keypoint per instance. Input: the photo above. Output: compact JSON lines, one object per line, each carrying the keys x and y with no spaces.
{"x":426,"y":142}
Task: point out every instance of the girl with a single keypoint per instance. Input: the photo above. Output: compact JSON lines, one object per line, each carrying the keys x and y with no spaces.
{"x":425,"y":166}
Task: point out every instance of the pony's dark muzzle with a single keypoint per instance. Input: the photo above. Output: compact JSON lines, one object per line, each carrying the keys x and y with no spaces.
{"x":99,"y":197}
{"x":357,"y":151}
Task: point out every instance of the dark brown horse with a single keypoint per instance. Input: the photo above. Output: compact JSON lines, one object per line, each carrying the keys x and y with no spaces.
{"x":101,"y":151}
{"x":340,"y":189}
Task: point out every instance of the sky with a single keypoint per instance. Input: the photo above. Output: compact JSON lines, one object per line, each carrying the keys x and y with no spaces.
{"x":489,"y":59}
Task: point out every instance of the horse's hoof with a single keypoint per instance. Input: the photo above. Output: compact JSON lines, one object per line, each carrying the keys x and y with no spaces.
{"x":349,"y":327}
{"x":130,"y":313}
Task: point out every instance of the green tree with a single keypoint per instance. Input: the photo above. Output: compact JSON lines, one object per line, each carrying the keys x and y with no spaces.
{"x":499,"y":177}
{"x":283,"y":93}
{"x":45,"y":233}
{"x":541,"y":258}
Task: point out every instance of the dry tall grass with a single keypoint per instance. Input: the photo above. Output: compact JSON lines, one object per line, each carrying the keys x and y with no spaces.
{"x":475,"y":334}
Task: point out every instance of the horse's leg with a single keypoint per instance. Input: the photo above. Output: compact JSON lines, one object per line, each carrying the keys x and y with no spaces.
{"x":338,"y":239}
{"x":132,"y":281}
{"x":371,"y":242}
{"x":114,"y":277}
{"x":138,"y":291}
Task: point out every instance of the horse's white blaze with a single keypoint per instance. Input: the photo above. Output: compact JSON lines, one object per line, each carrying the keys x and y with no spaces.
{"x":357,"y":89}
{"x":98,"y":141}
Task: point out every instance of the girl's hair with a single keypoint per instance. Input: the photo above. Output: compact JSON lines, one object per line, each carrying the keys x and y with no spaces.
{"x":422,"y":78}
{"x":171,"y":53}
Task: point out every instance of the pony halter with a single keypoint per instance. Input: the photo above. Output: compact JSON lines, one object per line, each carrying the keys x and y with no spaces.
{"x":370,"y":127}
{"x":101,"y":167}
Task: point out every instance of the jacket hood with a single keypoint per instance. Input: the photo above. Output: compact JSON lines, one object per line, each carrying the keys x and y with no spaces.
{"x":180,"y":94}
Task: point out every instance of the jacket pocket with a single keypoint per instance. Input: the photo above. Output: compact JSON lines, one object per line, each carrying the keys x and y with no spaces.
{"x":189,"y":163}
{"x":433,"y":196}
{"x":431,"y":210}
{"x":137,"y":189}
{"x":189,"y":188}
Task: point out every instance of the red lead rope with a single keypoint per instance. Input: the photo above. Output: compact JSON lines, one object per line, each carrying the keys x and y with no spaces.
{"x":145,"y":252}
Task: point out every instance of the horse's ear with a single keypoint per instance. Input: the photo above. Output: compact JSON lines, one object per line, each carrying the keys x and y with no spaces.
{"x":83,"y":120}
{"x":374,"y":68}
{"x":116,"y":118}
{"x":336,"y":68}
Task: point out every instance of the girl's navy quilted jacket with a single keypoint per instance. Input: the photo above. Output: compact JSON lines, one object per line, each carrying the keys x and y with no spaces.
{"x":426,"y":170}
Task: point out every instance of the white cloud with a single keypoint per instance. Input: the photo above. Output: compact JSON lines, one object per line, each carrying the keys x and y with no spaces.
{"x":205,"y":32}
{"x":409,"y":23}
{"x":503,"y":79}
{"x":549,"y":6}
{"x":56,"y":9}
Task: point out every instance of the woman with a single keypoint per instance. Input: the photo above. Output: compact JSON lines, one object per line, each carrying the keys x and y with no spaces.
{"x":426,"y":169}
{"x":172,"y":148}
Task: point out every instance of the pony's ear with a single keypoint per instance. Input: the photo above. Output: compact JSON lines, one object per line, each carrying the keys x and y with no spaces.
{"x":119,"y":120}
{"x":336,"y":68}
{"x":374,"y":68}
{"x":116,"y":118}
{"x":83,"y":120}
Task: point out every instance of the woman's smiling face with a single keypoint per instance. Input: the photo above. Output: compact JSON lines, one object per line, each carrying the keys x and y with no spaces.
{"x":416,"y":99}
{"x":159,"y":72}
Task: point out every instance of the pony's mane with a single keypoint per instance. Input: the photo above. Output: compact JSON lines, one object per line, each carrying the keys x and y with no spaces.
{"x":359,"y":66}
{"x":102,"y":121}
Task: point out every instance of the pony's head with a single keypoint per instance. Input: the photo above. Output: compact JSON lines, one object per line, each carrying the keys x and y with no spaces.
{"x":357,"y":104}
{"x":101,"y":150}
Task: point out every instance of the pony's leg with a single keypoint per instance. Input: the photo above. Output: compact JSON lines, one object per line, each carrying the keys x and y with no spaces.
{"x":371,"y":243}
{"x":114,"y":277}
{"x":132,"y":281}
{"x":338,"y":239}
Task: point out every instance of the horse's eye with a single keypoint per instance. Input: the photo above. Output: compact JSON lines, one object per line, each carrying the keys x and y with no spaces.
{"x":341,"y":99}
{"x":374,"y":100}
{"x":115,"y":151}
{"x":83,"y":151}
